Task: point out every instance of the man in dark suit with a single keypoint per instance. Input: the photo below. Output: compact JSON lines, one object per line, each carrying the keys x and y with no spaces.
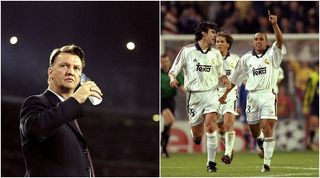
{"x":52,"y":142}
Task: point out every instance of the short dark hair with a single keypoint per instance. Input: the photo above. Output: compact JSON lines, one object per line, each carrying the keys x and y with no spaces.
{"x":72,"y":49}
{"x":228,"y":38}
{"x":262,"y":33}
{"x":164,"y":55}
{"x":204,"y":27}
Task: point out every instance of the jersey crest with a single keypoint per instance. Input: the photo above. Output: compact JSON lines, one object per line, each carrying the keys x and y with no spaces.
{"x":266,"y":61}
{"x":213,"y":61}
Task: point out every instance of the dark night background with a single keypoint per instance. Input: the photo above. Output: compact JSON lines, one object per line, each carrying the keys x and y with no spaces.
{"x":122,"y":137}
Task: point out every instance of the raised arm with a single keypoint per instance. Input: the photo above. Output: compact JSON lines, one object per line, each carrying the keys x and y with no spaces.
{"x":273,"y":21}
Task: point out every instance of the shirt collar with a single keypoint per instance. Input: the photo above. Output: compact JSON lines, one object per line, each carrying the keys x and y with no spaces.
{"x":60,"y":97}
{"x":254,"y":53}
{"x":225,"y":57}
{"x":199,"y":48}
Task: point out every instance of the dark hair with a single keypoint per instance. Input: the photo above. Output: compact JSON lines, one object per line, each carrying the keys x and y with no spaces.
{"x":228,"y":38}
{"x":204,"y":27}
{"x":72,"y":49}
{"x":262,"y":33}
{"x":164,"y":55}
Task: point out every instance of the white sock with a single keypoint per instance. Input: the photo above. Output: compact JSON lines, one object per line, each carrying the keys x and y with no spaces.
{"x":268,"y":147}
{"x":230,"y":137}
{"x":212,"y":144}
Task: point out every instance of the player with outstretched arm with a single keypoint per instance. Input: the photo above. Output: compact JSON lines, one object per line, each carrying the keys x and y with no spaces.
{"x":260,"y":68}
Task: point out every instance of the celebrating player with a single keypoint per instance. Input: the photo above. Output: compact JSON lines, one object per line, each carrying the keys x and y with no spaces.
{"x":203,"y":71}
{"x":260,"y":68}
{"x":227,"y":112}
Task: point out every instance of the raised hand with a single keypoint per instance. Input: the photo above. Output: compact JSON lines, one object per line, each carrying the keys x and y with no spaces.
{"x":272,"y":18}
{"x":89,"y":88}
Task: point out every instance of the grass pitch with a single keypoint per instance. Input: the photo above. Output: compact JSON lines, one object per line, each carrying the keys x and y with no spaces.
{"x":283,"y":164}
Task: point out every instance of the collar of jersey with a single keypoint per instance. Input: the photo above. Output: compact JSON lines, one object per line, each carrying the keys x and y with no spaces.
{"x":264,"y":52}
{"x":228,"y":54}
{"x":199,"y":48}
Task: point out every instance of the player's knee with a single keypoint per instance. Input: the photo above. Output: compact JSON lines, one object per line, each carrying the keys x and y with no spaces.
{"x":228,"y":126}
{"x":267,"y":126}
{"x":211,"y":127}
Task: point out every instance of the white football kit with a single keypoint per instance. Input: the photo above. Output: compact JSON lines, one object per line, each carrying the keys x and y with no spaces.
{"x":229,"y":64}
{"x":201,"y":78}
{"x":261,"y":73}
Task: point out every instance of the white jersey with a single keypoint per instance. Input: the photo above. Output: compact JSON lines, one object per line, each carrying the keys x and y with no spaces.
{"x":260,"y":71}
{"x":229,"y":65}
{"x":201,"y":69}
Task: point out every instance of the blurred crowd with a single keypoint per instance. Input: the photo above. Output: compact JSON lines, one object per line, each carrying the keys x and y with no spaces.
{"x":240,"y":17}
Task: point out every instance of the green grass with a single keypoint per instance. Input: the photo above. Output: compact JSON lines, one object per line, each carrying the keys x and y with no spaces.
{"x":283,"y":164}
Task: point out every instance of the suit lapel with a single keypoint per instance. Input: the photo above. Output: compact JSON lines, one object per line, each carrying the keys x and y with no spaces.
{"x":54,"y":101}
{"x":77,"y":132}
{"x":52,"y":98}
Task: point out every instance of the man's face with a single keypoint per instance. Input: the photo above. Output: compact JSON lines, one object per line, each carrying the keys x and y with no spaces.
{"x":64,"y":74}
{"x":221,"y":44}
{"x":260,"y":43}
{"x":210,"y":36}
{"x":165,"y":64}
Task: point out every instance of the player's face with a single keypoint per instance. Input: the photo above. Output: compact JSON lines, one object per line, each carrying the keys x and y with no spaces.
{"x":165,"y":64}
{"x":260,"y":43}
{"x":64,"y":74}
{"x":221,"y":44}
{"x":211,"y":37}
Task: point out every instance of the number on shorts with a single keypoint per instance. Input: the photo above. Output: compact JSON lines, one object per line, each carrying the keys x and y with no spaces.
{"x":248,"y":109}
{"x":191,"y":112}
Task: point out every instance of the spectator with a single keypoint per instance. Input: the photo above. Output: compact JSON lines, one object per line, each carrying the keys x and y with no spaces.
{"x":286,"y":107}
{"x":304,"y":17}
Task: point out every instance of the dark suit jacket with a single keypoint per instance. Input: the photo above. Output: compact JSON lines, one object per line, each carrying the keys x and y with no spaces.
{"x":52,"y":144}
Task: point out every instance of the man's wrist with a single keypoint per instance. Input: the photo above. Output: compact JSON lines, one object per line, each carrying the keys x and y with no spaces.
{"x":172,"y":78}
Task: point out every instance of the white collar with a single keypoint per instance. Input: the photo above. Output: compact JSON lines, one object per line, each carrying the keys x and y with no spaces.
{"x":60,"y":97}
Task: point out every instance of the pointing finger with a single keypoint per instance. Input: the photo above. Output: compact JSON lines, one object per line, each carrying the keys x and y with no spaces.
{"x":269,"y":13}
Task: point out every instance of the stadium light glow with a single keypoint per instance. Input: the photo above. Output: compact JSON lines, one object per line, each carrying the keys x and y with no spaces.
{"x":130,"y":45}
{"x":156,"y":118}
{"x":13,"y":40}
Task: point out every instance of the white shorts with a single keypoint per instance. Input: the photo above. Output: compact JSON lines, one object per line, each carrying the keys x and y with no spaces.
{"x":230,"y":106}
{"x":261,"y":105}
{"x":199,"y":103}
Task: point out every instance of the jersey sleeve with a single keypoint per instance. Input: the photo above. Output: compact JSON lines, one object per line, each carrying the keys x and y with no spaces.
{"x":277,"y":54}
{"x":240,"y":74}
{"x":178,"y":63}
{"x":235,"y":60}
{"x":281,"y":75}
